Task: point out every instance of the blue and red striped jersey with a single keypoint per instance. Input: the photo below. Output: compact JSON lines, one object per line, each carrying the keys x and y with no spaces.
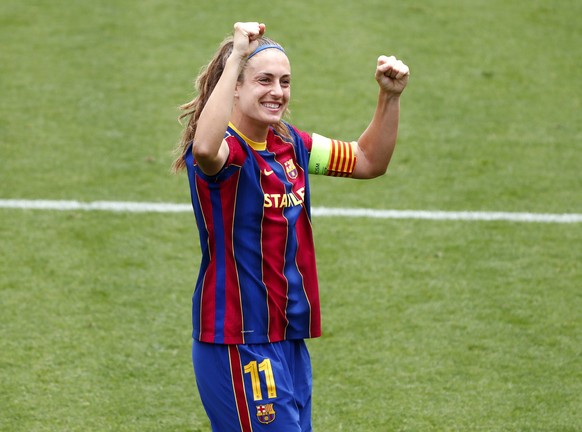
{"x":257,"y":281}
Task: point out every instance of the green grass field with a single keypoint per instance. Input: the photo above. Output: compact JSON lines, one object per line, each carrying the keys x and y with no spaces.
{"x":428,"y":325}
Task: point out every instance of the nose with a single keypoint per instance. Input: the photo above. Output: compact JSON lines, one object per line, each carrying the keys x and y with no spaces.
{"x":276,"y":89}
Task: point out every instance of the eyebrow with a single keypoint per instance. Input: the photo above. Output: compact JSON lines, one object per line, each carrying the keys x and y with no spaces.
{"x":272,"y":75}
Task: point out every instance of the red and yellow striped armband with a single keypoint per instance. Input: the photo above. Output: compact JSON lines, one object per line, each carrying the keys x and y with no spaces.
{"x":331,"y":157}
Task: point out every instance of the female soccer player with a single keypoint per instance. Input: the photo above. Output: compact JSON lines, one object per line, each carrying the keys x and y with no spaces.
{"x":256,"y":298}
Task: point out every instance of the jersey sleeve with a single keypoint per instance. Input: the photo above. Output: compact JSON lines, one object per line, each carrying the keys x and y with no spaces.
{"x":236,"y":157}
{"x":236,"y":154}
{"x":331,"y":157}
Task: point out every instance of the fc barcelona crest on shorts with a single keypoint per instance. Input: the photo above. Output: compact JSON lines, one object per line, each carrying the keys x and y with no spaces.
{"x":290,"y":169}
{"x":265,"y":413}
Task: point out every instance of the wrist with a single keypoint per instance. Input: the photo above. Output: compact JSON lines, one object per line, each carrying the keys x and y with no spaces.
{"x":235,"y":61}
{"x":389,"y":96}
{"x":236,"y":57}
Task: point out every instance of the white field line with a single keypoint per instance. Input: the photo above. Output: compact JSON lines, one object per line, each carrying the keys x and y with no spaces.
{"x":150,"y":207}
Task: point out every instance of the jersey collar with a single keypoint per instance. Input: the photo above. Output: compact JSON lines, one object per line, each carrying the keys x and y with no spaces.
{"x":253,"y":144}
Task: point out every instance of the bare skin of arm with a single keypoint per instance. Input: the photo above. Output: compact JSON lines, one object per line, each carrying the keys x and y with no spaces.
{"x":209,"y":148}
{"x":376,"y":145}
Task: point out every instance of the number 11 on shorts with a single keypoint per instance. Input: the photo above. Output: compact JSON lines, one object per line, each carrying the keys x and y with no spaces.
{"x":265,"y":367}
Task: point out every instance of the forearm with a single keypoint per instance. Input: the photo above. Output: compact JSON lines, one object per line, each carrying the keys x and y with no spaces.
{"x":214,"y":118}
{"x":376,"y":145}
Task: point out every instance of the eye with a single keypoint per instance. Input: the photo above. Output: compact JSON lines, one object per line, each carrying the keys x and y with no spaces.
{"x":285,"y":82}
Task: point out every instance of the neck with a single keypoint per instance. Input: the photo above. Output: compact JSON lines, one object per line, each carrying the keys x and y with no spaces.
{"x":255,"y":132}
{"x":257,"y":145}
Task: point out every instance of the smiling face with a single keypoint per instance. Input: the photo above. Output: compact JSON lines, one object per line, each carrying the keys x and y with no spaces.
{"x":262,"y":97}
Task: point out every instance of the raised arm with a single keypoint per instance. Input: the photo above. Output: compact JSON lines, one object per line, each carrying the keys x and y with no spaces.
{"x":209,"y":148}
{"x":376,"y":144}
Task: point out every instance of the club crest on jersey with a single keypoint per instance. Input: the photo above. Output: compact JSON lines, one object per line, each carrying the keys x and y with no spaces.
{"x":265,"y":413}
{"x":290,"y":169}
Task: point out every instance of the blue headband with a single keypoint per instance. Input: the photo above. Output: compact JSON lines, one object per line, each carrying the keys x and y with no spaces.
{"x":264,"y":47}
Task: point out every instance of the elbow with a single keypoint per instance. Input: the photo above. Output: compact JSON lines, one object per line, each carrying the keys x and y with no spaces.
{"x":373,"y":160}
{"x":200,"y":152}
{"x":373,"y":170}
{"x":378,"y":172}
{"x":210,"y":159}
{"x":368,"y":174}
{"x":203,"y":153}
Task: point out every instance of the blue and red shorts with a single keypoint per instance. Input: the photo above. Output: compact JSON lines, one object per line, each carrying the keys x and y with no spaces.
{"x":256,"y":387}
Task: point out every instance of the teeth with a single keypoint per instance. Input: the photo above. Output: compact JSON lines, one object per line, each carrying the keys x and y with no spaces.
{"x":273,"y":106}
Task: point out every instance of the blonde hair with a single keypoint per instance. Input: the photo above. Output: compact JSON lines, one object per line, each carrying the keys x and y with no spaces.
{"x":204,"y":86}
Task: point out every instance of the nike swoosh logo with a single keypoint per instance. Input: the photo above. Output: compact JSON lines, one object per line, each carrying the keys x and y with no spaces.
{"x":267,"y":172}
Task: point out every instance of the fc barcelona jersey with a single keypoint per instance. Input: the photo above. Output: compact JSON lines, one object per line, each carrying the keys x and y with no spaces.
{"x":257,"y":281}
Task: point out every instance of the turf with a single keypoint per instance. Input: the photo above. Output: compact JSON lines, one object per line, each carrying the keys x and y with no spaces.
{"x":428,"y":325}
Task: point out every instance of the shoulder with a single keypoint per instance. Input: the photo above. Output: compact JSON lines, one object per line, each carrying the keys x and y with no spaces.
{"x":237,"y":152}
{"x":296,"y":135}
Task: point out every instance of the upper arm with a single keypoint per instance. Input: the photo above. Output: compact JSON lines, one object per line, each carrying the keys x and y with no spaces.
{"x":211,"y":164}
{"x":332,"y":157}
{"x":341,"y":159}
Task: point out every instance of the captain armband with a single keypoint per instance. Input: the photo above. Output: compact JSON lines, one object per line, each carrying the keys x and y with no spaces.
{"x":331,"y":157}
